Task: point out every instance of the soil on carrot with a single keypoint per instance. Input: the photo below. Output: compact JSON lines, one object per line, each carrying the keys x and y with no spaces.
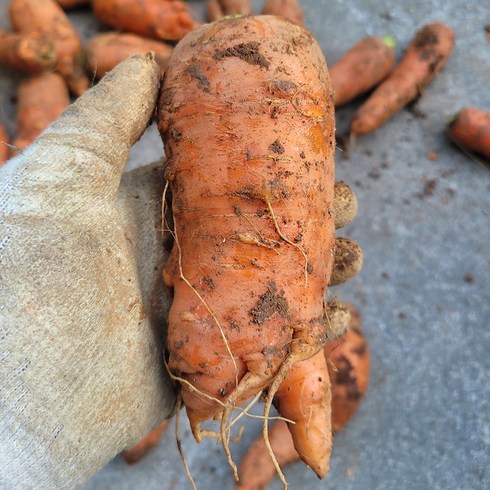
{"x":248,"y":52}
{"x":269,"y":303}
{"x":202,"y":81}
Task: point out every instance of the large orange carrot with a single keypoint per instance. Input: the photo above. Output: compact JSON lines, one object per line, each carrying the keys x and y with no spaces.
{"x":363,"y":67}
{"x":140,"y":450}
{"x":425,"y":57}
{"x":105,"y":51}
{"x":41,"y":99}
{"x":47,"y":18}
{"x":348,"y":365}
{"x":4,"y":149}
{"x":30,"y":52}
{"x":221,"y":8}
{"x":289,"y":9}
{"x":159,"y":19}
{"x":248,"y":127}
{"x":470,"y":129}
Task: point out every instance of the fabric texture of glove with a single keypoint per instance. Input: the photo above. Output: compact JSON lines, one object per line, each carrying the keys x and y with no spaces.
{"x":82,"y":304}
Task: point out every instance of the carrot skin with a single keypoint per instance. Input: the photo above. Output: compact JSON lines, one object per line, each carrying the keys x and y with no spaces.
{"x":348,"y":366}
{"x":289,"y":9}
{"x":248,"y":180}
{"x":424,"y":58}
{"x":304,"y":397}
{"x":363,"y":67}
{"x":216,"y":9}
{"x":146,"y":445}
{"x":157,"y":19}
{"x":105,"y":51}
{"x":30,"y":53}
{"x":41,"y":100}
{"x":48,"y":19}
{"x":4,"y":149}
{"x":471,"y":130}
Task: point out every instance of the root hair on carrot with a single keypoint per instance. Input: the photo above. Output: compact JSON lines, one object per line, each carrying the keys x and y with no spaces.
{"x":179,"y":442}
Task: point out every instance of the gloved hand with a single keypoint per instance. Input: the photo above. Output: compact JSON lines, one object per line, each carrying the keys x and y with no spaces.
{"x":82,"y":305}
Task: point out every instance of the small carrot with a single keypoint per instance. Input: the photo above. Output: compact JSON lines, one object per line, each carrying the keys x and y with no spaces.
{"x":470,"y":129}
{"x":48,"y":19}
{"x":41,"y":99}
{"x":140,"y":450}
{"x":363,"y":67}
{"x":31,"y":53}
{"x":105,"y":51}
{"x":221,"y":8}
{"x":425,"y":57}
{"x":4,"y":149}
{"x":289,"y":9}
{"x":158,"y":19}
{"x":348,"y":365}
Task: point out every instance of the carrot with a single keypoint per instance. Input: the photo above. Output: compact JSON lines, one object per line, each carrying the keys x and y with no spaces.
{"x":41,"y":99}
{"x":248,"y":127}
{"x":105,"y":51}
{"x":470,"y":129}
{"x":4,"y":149}
{"x":289,"y":9}
{"x":221,"y":8}
{"x":423,"y":60}
{"x":349,"y":371}
{"x":160,"y":19}
{"x":48,"y":19}
{"x":363,"y":67}
{"x":70,"y":4}
{"x":348,"y":366}
{"x":30,"y":52}
{"x":140,"y":450}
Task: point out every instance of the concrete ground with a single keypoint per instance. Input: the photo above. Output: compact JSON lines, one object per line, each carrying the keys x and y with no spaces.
{"x":424,"y":292}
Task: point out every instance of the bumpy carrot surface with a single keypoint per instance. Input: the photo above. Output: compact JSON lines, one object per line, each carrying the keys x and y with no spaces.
{"x":289,"y":9}
{"x":363,"y":67}
{"x":246,"y":115}
{"x":159,"y":19}
{"x":105,"y":51}
{"x":471,"y":130}
{"x":423,"y":60}
{"x":47,"y":18}
{"x":41,"y":99}
{"x":348,"y":365}
{"x":31,"y":53}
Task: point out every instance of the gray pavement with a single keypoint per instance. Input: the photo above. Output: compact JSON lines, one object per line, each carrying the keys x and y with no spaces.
{"x":424,"y":292}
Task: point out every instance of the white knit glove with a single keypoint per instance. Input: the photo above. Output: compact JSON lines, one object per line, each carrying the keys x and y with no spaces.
{"x":82,"y":305}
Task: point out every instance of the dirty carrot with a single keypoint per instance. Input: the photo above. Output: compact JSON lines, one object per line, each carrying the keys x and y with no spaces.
{"x":424,"y":58}
{"x":4,"y":149}
{"x":143,"y":447}
{"x":48,"y":19}
{"x":363,"y":67}
{"x":158,"y":19}
{"x":470,"y":129}
{"x":105,"y":51}
{"x":289,"y":9}
{"x":221,"y":8}
{"x":248,"y":127}
{"x":34,"y":112}
{"x":31,"y":52}
{"x":348,"y":365}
